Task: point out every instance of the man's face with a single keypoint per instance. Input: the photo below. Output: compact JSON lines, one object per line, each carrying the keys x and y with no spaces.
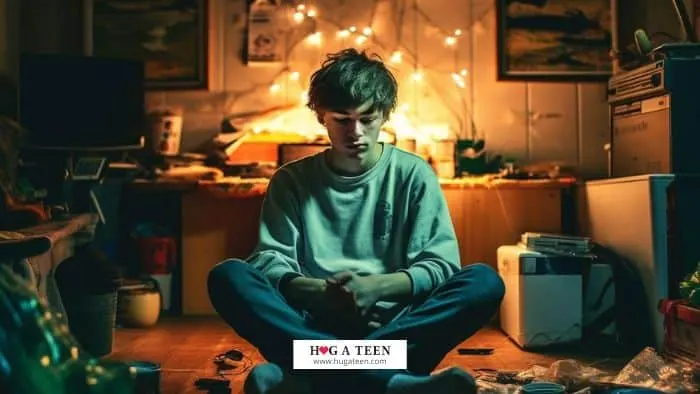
{"x":354,"y":132}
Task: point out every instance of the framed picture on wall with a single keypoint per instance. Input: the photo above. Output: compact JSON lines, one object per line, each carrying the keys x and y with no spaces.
{"x":169,"y":36}
{"x":554,"y":40}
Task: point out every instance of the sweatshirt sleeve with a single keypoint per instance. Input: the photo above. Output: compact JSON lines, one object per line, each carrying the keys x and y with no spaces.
{"x":433,"y":252}
{"x":276,"y":252}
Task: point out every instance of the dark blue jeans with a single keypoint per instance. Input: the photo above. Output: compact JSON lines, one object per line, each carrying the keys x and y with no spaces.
{"x":453,"y":312}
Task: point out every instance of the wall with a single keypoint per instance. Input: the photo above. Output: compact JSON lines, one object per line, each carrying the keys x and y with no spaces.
{"x":9,"y":34}
{"x":4,"y":61}
{"x":51,"y":26}
{"x":652,"y":15}
{"x":563,"y":122}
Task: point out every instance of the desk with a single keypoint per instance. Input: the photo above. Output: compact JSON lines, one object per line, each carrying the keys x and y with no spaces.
{"x":219,"y":220}
{"x":52,"y":243}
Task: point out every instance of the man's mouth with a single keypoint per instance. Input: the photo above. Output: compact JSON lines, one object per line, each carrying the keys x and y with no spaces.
{"x":356,"y":146}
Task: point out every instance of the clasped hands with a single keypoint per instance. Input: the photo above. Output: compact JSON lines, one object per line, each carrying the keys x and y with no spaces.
{"x":354,"y":296}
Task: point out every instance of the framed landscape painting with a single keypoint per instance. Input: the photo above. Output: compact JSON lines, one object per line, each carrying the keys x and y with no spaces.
{"x":554,"y":40}
{"x":169,"y":36}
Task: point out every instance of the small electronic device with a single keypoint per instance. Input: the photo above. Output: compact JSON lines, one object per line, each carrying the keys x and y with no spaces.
{"x":212,"y":383}
{"x":543,"y":304}
{"x":88,"y":168}
{"x":230,"y":356}
{"x":558,"y":242}
{"x":463,"y":351}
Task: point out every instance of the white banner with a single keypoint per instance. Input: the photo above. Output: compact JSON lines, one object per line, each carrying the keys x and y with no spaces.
{"x":344,"y":354}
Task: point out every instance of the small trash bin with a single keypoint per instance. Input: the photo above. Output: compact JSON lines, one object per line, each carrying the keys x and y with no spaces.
{"x":91,"y":319}
{"x":88,"y":284}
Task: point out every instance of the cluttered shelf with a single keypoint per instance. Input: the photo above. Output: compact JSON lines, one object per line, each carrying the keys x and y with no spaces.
{"x":41,"y":248}
{"x":48,"y":233}
{"x":238,"y":187}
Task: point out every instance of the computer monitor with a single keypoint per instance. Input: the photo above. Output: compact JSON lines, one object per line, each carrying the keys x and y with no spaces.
{"x":80,"y":103}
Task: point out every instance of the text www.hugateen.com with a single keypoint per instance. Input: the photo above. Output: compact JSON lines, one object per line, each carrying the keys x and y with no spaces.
{"x":347,"y":362}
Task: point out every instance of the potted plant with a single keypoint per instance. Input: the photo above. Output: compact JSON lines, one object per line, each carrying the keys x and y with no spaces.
{"x":471,"y":154}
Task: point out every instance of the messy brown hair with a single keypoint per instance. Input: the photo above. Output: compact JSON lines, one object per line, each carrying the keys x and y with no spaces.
{"x":350,"y":78}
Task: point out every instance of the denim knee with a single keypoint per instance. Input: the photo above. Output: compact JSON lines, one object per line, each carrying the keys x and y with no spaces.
{"x":489,"y":282}
{"x":228,"y":276}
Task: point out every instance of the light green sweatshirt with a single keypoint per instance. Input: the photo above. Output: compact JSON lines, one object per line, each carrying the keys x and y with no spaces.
{"x":393,"y":217}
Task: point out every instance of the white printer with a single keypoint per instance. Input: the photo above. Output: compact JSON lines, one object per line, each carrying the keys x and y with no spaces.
{"x":543,"y":303}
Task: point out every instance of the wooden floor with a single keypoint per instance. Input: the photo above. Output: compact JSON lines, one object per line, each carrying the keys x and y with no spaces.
{"x":185,"y":349}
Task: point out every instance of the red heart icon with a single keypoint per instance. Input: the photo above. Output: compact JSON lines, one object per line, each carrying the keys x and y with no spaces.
{"x":323,"y":349}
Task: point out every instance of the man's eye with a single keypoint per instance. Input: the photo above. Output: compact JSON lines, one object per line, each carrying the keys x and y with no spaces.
{"x":368,"y":120}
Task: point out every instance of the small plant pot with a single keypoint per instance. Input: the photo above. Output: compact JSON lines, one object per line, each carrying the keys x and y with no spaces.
{"x":470,"y":156}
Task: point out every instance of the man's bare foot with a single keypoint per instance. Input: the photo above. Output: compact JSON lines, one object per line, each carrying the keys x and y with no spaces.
{"x":269,"y":378}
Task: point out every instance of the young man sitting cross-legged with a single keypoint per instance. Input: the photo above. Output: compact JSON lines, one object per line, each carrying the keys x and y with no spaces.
{"x":356,"y":242}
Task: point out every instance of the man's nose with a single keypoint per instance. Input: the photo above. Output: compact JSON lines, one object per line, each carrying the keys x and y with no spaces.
{"x":356,"y":128}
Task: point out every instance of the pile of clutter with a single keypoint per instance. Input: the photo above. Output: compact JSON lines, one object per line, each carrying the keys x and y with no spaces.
{"x":689,"y":287}
{"x":648,"y":370}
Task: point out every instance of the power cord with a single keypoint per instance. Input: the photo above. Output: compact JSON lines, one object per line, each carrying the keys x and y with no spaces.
{"x":664,"y":34}
{"x":233,"y":362}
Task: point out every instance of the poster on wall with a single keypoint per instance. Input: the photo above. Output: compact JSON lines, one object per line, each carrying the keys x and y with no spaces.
{"x":266,"y":44}
{"x":554,"y":40}
{"x":169,"y":36}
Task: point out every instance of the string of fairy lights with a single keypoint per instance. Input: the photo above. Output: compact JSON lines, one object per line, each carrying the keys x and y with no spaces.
{"x":306,"y":19}
{"x":360,"y":36}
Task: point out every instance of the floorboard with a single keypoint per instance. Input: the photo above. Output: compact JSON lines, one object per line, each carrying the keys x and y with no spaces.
{"x":185,"y":349}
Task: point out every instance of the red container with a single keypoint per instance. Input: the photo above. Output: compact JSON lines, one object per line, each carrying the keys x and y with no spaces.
{"x":682,"y":327}
{"x":157,"y":255}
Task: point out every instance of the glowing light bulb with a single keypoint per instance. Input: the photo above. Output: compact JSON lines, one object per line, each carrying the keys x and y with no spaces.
{"x":450,"y":41}
{"x":417,"y":76}
{"x":301,"y":7}
{"x":352,"y":29}
{"x":396,"y":57}
{"x":311,"y":13}
{"x":314,"y":38}
{"x":275,"y":88}
{"x":458,"y":32}
{"x":367,"y":31}
{"x":294,"y":75}
{"x":298,"y":17}
{"x":464,"y":72}
{"x":343,"y":33}
{"x":359,"y":40}
{"x":459,"y":81}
